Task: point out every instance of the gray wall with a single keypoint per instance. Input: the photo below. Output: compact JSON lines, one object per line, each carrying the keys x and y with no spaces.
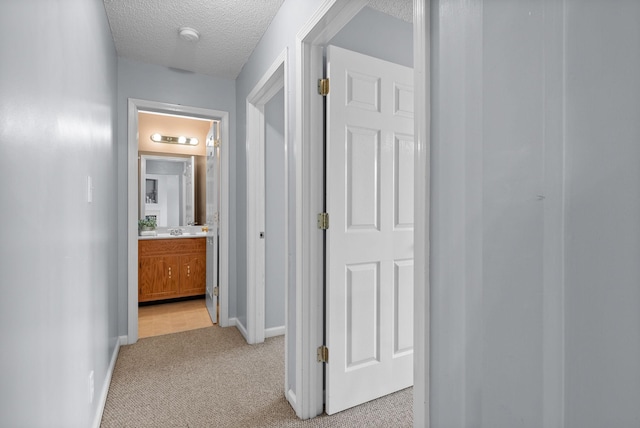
{"x":379,"y":35}
{"x":275,"y":211}
{"x":534,"y":230}
{"x":58,"y":310}
{"x":157,"y":83}
{"x":602,"y":289}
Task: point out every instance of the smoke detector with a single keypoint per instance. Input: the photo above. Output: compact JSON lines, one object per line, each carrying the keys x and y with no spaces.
{"x":189,"y":34}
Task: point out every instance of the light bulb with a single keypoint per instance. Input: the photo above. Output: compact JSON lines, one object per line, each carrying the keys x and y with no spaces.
{"x":193,"y":141}
{"x":156,"y":137}
{"x":182,"y":139}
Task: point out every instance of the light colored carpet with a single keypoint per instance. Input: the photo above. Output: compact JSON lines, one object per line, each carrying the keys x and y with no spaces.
{"x":210,"y":377}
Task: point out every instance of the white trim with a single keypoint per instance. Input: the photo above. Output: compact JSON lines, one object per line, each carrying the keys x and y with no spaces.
{"x":269,"y":85}
{"x":274,"y":331}
{"x":134,"y":105}
{"x":330,"y":17}
{"x":291,"y":397}
{"x":242,"y":329}
{"x":107,"y":383}
{"x":421,"y":293}
{"x":232,"y":322}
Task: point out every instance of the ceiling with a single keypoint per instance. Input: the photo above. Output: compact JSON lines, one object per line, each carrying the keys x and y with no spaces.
{"x":147,"y":30}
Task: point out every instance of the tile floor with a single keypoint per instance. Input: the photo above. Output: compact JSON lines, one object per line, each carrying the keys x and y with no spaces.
{"x":165,"y":318}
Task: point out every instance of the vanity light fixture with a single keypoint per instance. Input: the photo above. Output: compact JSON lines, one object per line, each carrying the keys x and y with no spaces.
{"x":157,"y":138}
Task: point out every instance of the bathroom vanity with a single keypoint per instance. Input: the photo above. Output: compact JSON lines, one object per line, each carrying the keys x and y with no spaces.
{"x":171,"y":267}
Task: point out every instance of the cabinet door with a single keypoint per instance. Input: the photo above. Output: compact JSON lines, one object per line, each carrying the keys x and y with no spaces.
{"x":158,"y":278}
{"x":193,"y":274}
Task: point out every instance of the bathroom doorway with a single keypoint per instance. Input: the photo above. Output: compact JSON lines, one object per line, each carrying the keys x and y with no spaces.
{"x":178,"y":189}
{"x":198,"y":220}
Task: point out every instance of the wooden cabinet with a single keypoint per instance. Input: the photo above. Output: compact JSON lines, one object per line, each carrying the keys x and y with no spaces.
{"x":193,"y":274}
{"x":157,"y":278}
{"x":170,"y":268}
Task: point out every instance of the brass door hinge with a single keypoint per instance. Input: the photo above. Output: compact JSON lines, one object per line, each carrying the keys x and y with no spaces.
{"x":323,"y":87}
{"x":323,"y":354}
{"x":216,"y":143}
{"x":323,"y":221}
{"x":216,"y":291}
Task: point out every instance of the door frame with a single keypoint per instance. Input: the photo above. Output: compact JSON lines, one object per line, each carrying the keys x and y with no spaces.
{"x":422,"y":207}
{"x":329,"y":18}
{"x":325,"y":23}
{"x":274,"y":79}
{"x":133,"y":108}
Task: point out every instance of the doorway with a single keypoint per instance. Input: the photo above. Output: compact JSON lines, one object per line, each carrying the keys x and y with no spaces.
{"x":328,"y":20}
{"x":176,"y":191}
{"x":134,"y":107}
{"x":266,"y":90}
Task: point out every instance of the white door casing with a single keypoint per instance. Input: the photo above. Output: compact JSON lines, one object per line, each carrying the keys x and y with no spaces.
{"x":267,"y":87}
{"x":370,"y":195}
{"x":213,"y":219}
{"x":422,"y":126}
{"x":330,"y":17}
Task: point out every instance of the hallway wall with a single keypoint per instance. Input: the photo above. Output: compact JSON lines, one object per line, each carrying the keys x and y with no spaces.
{"x":535,"y":205}
{"x":275,"y":211}
{"x":362,"y":34}
{"x":602,"y":288}
{"x":58,"y":309}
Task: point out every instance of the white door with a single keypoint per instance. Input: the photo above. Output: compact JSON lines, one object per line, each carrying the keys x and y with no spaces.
{"x":213,"y":220}
{"x":369,"y":289}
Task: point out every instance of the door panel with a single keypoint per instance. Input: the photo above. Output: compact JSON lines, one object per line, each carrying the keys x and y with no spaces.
{"x":158,"y":278}
{"x":363,"y":180}
{"x":192,"y":274}
{"x":403,"y":202}
{"x":369,"y":318}
{"x":403,"y":307}
{"x":362,"y":314}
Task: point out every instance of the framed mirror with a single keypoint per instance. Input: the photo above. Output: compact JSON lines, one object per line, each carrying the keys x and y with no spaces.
{"x":168,"y":189}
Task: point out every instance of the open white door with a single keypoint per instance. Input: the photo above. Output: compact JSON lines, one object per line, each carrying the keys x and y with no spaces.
{"x":369,"y":289}
{"x":213,"y":219}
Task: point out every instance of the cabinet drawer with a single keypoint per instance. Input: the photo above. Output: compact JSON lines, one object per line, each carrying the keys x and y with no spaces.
{"x":161,"y":247}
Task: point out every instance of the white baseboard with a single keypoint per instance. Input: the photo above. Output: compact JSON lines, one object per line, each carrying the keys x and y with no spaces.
{"x":291,"y":398}
{"x":107,"y":382}
{"x":242,"y":329}
{"x":232,"y":322}
{"x":274,"y":331}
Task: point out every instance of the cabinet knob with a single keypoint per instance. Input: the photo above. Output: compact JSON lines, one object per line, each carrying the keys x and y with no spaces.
{"x":169,"y":272}
{"x":188,"y":270}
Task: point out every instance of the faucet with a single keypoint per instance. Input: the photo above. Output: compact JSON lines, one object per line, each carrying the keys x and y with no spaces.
{"x":175,"y":232}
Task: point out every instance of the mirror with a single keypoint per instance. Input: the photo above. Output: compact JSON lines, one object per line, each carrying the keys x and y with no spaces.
{"x":169,"y":189}
{"x":172,"y":176}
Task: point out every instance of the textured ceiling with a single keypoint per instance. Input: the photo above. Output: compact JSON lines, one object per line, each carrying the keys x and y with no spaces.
{"x":401,"y":9}
{"x":147,"y":30}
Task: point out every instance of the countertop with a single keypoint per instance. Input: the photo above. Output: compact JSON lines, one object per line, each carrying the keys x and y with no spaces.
{"x":168,"y":236}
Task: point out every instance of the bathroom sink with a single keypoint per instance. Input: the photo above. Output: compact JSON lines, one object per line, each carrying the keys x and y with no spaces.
{"x":184,"y":234}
